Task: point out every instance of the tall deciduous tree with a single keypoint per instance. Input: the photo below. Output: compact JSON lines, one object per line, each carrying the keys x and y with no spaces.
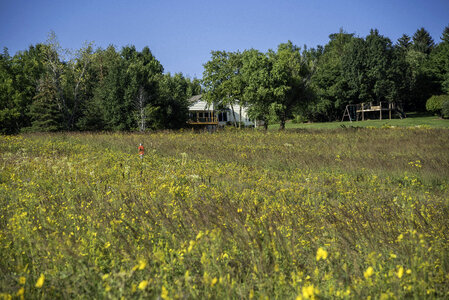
{"x":9,"y":108}
{"x":19,"y":78}
{"x":290,"y":81}
{"x":256,"y":70}
{"x":222,"y":80}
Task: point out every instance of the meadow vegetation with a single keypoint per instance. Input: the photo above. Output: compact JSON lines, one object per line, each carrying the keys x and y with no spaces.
{"x":346,"y":213}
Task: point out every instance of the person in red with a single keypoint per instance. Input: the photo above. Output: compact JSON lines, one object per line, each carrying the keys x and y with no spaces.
{"x":141,"y":151}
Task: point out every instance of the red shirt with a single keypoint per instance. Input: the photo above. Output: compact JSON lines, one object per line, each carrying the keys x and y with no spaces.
{"x":141,"y":150}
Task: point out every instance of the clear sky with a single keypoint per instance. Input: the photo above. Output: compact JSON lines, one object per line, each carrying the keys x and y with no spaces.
{"x":181,"y":34}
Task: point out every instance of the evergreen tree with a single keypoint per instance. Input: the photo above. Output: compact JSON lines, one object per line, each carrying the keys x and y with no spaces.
{"x":404,"y":42}
{"x":445,"y":36}
{"x":422,"y":41}
{"x":45,"y":112}
{"x":328,"y":81}
{"x":439,"y":63}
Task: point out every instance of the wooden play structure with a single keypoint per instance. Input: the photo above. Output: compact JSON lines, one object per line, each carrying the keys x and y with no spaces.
{"x":358,"y":112}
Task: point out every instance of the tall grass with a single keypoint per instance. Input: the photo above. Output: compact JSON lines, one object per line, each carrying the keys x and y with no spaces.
{"x":306,"y":214}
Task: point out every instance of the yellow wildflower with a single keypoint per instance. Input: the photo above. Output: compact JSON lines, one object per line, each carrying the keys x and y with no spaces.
{"x":308,"y":292}
{"x":191,"y":244}
{"x":164,"y":293}
{"x":143,"y":284}
{"x":368,"y":273}
{"x":40,"y":281}
{"x":142,"y":264}
{"x":400,"y":272}
{"x":321,"y":254}
{"x":214,"y":281}
{"x":22,"y":280}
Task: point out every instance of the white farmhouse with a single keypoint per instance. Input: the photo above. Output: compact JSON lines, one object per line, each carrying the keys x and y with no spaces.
{"x":203,"y":113}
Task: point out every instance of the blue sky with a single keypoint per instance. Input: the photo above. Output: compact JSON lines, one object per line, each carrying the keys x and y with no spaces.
{"x":181,"y":34}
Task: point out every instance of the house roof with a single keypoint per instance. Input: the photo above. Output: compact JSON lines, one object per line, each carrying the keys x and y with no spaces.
{"x":195,"y":104}
{"x":194,"y":99}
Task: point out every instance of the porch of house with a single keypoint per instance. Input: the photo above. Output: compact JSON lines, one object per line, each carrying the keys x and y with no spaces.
{"x":202,"y":117}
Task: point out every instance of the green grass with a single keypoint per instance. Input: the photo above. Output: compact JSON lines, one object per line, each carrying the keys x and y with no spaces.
{"x":412,"y":120}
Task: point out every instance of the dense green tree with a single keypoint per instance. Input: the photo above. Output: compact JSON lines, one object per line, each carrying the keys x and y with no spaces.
{"x":422,"y":41}
{"x":77,"y":83}
{"x":97,"y":111}
{"x":126,"y":79}
{"x":9,"y":108}
{"x":19,"y":77}
{"x":54,"y":58}
{"x":439,"y":62}
{"x":403,"y":73}
{"x":373,"y":70}
{"x":223,"y":81}
{"x":172,"y":105}
{"x":328,"y":82}
{"x":256,"y":69}
{"x":193,"y":87}
{"x":404,"y":42}
{"x":45,"y":111}
{"x":379,"y":65}
{"x":142,"y":83}
{"x":289,"y":81}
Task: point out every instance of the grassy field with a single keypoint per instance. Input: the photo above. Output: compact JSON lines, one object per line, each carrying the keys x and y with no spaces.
{"x":308,"y":214}
{"x":412,"y":120}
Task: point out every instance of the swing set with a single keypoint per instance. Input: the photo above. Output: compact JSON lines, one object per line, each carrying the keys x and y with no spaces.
{"x":356,"y":112}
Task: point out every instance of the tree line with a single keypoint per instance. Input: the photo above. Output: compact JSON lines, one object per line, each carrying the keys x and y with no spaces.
{"x":48,"y":88}
{"x":316,"y":84}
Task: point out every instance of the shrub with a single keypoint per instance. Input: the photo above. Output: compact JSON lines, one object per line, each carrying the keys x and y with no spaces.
{"x":298,"y":119}
{"x":445,"y":110}
{"x":435,"y":103}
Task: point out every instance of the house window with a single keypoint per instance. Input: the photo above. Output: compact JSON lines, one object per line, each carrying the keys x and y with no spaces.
{"x":223,"y":116}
